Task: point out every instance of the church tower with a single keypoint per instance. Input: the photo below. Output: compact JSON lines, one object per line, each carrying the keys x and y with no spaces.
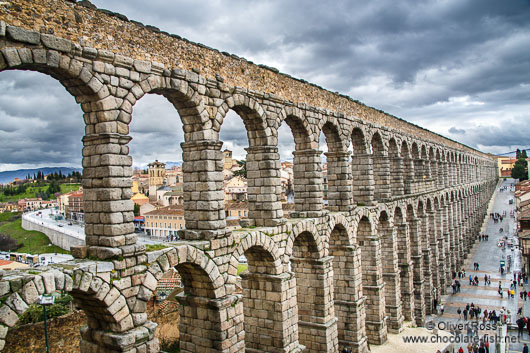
{"x":157,"y":173}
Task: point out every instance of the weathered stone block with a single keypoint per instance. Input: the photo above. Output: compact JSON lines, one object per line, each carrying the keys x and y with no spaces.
{"x":56,"y":43}
{"x":23,"y":35}
{"x":8,"y":316}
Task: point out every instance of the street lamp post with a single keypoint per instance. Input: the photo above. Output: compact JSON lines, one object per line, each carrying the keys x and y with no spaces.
{"x":46,"y":300}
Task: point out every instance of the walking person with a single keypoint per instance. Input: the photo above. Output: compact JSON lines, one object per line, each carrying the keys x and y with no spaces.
{"x":441,"y":309}
{"x":520,"y":326}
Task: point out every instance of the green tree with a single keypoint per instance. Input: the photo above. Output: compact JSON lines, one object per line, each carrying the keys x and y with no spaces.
{"x":136,"y":210}
{"x":520,"y":169}
{"x":243,"y":171}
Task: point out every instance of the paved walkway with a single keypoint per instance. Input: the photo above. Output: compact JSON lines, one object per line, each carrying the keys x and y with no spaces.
{"x":489,"y":255}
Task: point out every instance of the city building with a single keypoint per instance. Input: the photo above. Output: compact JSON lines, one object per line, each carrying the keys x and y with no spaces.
{"x":505,"y":166}
{"x":164,"y":222}
{"x":235,"y":189}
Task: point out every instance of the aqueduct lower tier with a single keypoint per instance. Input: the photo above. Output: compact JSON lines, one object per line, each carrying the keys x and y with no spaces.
{"x":403,"y":208}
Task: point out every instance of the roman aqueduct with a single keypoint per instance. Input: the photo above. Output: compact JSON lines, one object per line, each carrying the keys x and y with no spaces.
{"x":402,"y":212}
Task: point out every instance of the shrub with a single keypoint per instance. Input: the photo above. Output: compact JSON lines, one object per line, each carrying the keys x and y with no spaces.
{"x":36,"y":314}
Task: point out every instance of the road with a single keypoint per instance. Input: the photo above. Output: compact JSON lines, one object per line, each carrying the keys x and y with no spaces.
{"x":74,"y":229}
{"x":489,"y":255}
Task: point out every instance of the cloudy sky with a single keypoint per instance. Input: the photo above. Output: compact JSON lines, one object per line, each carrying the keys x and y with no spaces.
{"x":460,"y":68}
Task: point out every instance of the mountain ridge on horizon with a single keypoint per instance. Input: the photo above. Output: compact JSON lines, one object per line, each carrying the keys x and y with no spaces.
{"x":9,"y":175}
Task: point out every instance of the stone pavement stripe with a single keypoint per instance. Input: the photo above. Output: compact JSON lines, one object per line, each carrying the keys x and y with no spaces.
{"x":490,"y":288}
{"x":479,"y":296}
{"x":483,"y":307}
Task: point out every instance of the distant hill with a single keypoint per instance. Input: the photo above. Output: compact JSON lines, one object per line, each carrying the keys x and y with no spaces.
{"x":10,"y":175}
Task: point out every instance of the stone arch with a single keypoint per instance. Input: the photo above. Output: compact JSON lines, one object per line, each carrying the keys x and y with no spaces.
{"x":78,"y":80}
{"x":362,"y":168}
{"x":19,"y":295}
{"x":204,"y":287}
{"x":312,"y":233}
{"x":405,"y":264}
{"x":333,"y":133}
{"x":341,"y":221}
{"x":297,"y":122}
{"x":339,"y":174}
{"x":389,"y":249}
{"x":262,"y":285}
{"x":307,"y":170}
{"x":186,"y":100}
{"x":313,"y":274}
{"x":191,"y":260}
{"x":359,"y":141}
{"x":396,"y":168}
{"x":347,"y":284}
{"x":381,"y":168}
{"x":253,"y":116}
{"x":260,"y":245}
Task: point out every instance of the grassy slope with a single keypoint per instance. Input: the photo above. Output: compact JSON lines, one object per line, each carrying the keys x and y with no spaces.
{"x":34,"y":242}
{"x":6,"y":216}
{"x":33,"y":190}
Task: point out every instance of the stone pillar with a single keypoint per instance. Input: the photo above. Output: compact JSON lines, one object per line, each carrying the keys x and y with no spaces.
{"x":308,"y":190}
{"x":271,"y":313}
{"x":373,"y":288}
{"x":264,"y":186}
{"x":408,"y":177}
{"x":444,"y":270}
{"x":381,"y":171}
{"x":138,"y":339}
{"x":419,"y":177}
{"x":417,"y":259}
{"x":441,"y":174}
{"x":405,"y":270}
{"x":458,"y":234}
{"x":427,"y":263}
{"x":211,"y":325}
{"x":397,"y":184}
{"x":363,"y":180}
{"x":393,"y":306}
{"x":433,"y":244}
{"x":446,"y":174}
{"x":107,"y":192}
{"x":348,"y":297}
{"x":203,"y":194}
{"x":453,"y":240}
{"x":317,"y":324}
{"x":339,"y":181}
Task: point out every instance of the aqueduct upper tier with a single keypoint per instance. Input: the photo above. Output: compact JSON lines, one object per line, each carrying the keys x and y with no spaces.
{"x":403,"y":208}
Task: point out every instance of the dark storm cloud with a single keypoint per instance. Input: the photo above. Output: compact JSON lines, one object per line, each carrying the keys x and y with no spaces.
{"x":454,"y":130}
{"x":41,"y":125}
{"x":460,"y":64}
